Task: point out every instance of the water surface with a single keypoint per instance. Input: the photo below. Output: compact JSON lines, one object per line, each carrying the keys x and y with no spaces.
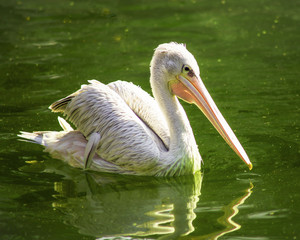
{"x":248,"y":53}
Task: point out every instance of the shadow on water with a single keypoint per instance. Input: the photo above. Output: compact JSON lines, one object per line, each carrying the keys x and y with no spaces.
{"x":107,"y":206}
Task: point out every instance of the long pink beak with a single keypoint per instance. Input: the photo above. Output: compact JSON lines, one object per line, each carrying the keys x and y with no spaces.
{"x":192,"y":90}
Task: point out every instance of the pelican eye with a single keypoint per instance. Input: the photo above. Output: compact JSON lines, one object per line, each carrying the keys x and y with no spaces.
{"x":186,"y":68}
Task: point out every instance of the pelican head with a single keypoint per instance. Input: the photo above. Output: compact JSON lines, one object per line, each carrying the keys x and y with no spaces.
{"x":177,"y":70}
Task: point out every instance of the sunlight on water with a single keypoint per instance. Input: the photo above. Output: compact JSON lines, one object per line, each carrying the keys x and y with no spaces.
{"x":166,"y":207}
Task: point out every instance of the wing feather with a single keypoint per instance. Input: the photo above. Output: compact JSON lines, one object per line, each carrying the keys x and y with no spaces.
{"x":125,"y":139}
{"x":145,"y":107}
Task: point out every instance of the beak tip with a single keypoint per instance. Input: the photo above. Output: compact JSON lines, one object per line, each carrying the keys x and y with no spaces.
{"x":250,"y":166}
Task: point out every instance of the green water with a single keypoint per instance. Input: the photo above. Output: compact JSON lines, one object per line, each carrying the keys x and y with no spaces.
{"x":248,"y":53}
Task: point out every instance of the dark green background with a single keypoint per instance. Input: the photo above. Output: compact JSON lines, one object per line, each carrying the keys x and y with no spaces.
{"x":248,"y":53}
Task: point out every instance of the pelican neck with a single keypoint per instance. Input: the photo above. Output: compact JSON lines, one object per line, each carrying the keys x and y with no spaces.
{"x":174,"y":114}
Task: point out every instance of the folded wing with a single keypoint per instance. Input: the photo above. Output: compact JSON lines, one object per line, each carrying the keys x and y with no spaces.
{"x":118,"y":114}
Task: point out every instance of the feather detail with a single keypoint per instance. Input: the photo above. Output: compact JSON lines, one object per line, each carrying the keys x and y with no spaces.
{"x":65,"y":126}
{"x":141,"y":102}
{"x":70,"y":148}
{"x":96,"y":108}
{"x":90,"y":149}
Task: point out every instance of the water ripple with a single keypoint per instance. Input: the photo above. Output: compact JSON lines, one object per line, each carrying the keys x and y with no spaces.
{"x":46,"y":44}
{"x":281,"y":213}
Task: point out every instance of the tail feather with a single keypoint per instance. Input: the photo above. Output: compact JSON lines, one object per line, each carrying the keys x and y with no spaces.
{"x":35,"y":137}
{"x":70,"y":147}
{"x":39,"y":137}
{"x":67,"y":146}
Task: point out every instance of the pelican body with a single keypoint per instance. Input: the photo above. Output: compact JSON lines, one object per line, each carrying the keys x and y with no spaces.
{"x":122,"y":129}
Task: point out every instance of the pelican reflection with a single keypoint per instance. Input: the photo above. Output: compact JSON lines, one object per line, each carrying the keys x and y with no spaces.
{"x":109,"y":206}
{"x":103,"y":205}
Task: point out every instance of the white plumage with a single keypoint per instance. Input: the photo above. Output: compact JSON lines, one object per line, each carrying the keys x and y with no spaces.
{"x":122,"y":129}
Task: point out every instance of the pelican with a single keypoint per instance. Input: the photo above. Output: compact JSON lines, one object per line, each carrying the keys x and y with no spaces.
{"x":122,"y":129}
